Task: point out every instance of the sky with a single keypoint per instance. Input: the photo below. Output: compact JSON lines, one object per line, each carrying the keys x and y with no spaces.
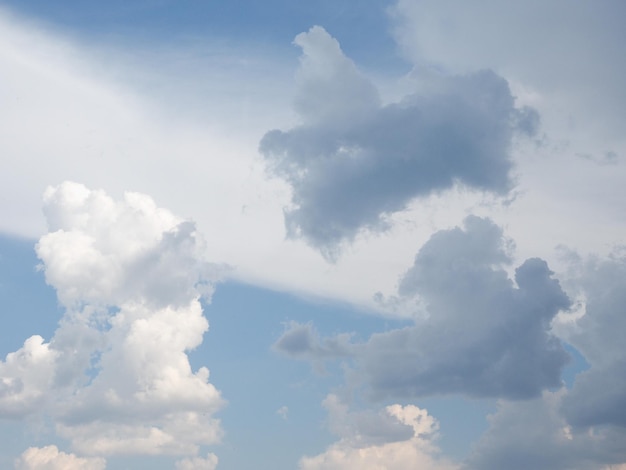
{"x":312,"y":235}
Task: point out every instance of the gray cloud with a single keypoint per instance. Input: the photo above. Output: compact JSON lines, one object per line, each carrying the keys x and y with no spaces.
{"x":485,"y":337}
{"x":599,"y":394}
{"x":533,"y":434}
{"x":352,"y":162}
{"x":302,"y":341}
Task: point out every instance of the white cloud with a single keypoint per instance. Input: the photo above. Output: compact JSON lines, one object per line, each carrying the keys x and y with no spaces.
{"x":50,"y":458}
{"x":397,"y":438}
{"x":198,"y":463}
{"x":283,"y":412}
{"x":25,"y":377}
{"x":116,"y":374}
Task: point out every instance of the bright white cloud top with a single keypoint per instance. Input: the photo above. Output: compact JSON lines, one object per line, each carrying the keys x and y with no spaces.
{"x":450,"y":179}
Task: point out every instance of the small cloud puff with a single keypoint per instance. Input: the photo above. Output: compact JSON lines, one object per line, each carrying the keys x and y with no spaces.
{"x":283,"y":411}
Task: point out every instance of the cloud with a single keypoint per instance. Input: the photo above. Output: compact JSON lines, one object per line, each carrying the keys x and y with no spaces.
{"x":484,"y":336}
{"x":352,"y":162}
{"x":586,"y":57}
{"x":302,"y":341}
{"x":198,"y":463}
{"x":396,"y":438}
{"x":583,"y":427}
{"x":120,"y":252}
{"x":534,"y":434}
{"x":283,"y":412}
{"x":598,"y":395}
{"x":116,"y":375}
{"x":25,"y":377}
{"x":50,"y":458}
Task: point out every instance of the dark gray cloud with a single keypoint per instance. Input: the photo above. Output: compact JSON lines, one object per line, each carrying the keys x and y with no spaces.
{"x":485,"y":336}
{"x":352,"y":162}
{"x":598,"y":397}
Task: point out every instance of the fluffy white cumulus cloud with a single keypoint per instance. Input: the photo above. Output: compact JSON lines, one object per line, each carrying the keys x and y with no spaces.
{"x":353,"y":161}
{"x":198,"y":463}
{"x":25,"y":377}
{"x":103,"y":252}
{"x":396,"y":438}
{"x":50,"y":458}
{"x":116,"y":375}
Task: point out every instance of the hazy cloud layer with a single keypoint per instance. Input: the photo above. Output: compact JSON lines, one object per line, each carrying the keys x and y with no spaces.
{"x":585,"y":67}
{"x":352,"y":161}
{"x":396,"y":438}
{"x":115,"y":378}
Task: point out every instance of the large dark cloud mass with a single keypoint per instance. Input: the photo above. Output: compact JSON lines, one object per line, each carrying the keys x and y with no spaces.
{"x":534,"y":434}
{"x":485,"y":336}
{"x":352,"y":162}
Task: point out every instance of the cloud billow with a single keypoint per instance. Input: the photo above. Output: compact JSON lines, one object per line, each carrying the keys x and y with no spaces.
{"x":395,"y":438}
{"x":484,"y":336}
{"x":598,"y":396}
{"x":352,"y":161}
{"x":115,"y":378}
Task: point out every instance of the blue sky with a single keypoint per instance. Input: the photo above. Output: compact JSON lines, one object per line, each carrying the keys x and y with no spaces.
{"x":312,"y":235}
